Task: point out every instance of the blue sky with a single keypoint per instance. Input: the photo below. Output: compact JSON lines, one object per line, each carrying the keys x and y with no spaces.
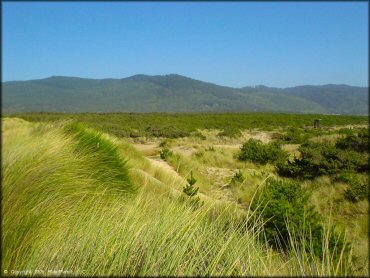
{"x":234,"y":44}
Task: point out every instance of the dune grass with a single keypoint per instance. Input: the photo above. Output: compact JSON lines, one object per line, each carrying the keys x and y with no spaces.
{"x":71,"y":205}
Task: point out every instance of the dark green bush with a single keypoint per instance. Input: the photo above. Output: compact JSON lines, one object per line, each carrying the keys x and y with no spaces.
{"x":294,"y":136}
{"x":255,"y":151}
{"x":166,"y":131}
{"x":230,"y":131}
{"x":319,"y":159}
{"x":285,"y":208}
{"x":359,"y":143}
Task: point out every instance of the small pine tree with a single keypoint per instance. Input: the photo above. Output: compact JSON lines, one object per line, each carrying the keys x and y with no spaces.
{"x":189,"y":189}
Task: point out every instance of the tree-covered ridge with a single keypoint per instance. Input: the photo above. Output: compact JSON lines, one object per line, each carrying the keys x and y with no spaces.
{"x":175,"y":93}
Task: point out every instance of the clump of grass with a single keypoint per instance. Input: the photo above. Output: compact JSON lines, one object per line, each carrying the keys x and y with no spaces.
{"x":199,"y":154}
{"x":238,"y":178}
{"x":210,"y":148}
{"x":102,"y":151}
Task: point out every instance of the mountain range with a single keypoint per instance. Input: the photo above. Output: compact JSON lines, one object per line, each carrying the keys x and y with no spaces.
{"x":175,"y":93}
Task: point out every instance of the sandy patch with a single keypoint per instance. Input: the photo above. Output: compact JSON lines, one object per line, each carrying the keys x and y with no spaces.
{"x":292,"y":149}
{"x":265,"y":137}
{"x":220,"y":176}
{"x":162,"y":164}
{"x":183,"y":150}
{"x":147,"y":149}
{"x":220,"y":179}
{"x":228,"y":146}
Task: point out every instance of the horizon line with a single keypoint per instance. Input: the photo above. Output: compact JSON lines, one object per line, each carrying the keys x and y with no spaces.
{"x":175,"y":74}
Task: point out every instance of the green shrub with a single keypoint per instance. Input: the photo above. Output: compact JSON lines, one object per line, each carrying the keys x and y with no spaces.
{"x":230,"y":131}
{"x":255,"y":151}
{"x":191,"y":190}
{"x":165,"y":153}
{"x":167,"y":131}
{"x":319,"y":159}
{"x":359,"y":143}
{"x":285,"y":208}
{"x":295,"y":136}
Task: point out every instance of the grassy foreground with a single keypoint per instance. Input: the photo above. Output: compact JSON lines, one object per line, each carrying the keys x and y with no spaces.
{"x":79,"y":202}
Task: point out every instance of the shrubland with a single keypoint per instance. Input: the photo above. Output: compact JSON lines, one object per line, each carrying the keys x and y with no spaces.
{"x":177,"y":125}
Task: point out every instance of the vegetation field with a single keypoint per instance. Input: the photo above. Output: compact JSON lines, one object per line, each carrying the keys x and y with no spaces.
{"x":184,"y":194}
{"x":182,"y":125}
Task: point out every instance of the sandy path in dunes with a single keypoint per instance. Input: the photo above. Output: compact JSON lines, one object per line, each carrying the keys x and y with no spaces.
{"x":228,"y":146}
{"x":145,"y":147}
{"x":149,"y":149}
{"x":162,"y":164}
{"x":217,"y":175}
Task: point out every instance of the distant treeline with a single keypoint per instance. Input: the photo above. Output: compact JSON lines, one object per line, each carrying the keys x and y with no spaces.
{"x":176,"y":125}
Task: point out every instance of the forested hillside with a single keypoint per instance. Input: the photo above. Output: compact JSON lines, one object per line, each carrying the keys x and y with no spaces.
{"x":175,"y":93}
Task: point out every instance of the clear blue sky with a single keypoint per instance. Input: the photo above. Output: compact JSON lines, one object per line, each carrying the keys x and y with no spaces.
{"x":234,"y":44}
